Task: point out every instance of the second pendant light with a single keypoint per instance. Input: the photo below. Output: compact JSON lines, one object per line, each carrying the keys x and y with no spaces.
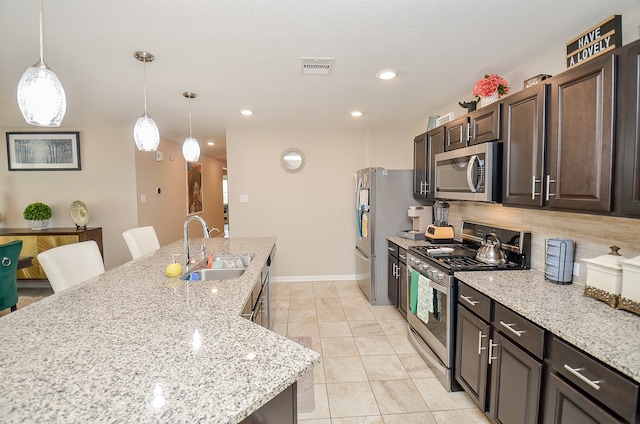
{"x":190,"y":147}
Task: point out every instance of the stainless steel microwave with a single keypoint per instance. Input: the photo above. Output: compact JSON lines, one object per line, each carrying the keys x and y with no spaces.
{"x":470,"y":173}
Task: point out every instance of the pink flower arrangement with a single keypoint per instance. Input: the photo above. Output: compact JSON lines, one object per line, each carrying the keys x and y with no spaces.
{"x":489,"y":85}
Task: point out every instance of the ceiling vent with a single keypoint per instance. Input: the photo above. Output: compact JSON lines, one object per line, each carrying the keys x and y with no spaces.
{"x":317,"y":65}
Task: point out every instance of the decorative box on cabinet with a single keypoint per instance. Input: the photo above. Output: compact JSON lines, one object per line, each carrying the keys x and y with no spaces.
{"x":34,"y":242}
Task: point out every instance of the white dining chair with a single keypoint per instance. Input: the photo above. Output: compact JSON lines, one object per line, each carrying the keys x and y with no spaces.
{"x":71,"y":264}
{"x":141,"y":241}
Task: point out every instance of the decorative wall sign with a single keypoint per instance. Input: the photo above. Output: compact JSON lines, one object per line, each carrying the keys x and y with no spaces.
{"x":38,"y":151}
{"x":194,"y":188}
{"x":604,"y":37}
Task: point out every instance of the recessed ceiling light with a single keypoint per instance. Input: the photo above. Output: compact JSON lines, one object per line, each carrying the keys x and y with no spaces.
{"x":356,"y":113}
{"x":387,"y":74}
{"x":211,"y":143}
{"x":246,"y":112}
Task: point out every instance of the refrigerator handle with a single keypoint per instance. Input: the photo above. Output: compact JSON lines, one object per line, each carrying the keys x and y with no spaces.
{"x":361,"y":255}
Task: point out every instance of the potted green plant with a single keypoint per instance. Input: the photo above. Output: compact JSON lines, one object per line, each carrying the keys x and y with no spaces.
{"x":38,"y":215}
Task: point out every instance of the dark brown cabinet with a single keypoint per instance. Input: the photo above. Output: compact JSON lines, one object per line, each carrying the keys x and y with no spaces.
{"x":420,"y":167}
{"x":397,"y":278}
{"x":471,"y":356}
{"x":524,"y":146}
{"x":581,"y":389}
{"x":581,"y":137}
{"x":501,"y":375}
{"x":484,"y":124}
{"x":631,"y":130}
{"x":456,"y":134}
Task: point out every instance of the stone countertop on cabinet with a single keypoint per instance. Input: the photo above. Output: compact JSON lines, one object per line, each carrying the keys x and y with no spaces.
{"x":133,"y":345}
{"x":406,"y":243}
{"x":608,"y":334}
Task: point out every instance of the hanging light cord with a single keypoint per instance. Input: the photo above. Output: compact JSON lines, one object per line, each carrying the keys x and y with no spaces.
{"x":144,"y":74}
{"x":41,"y":31}
{"x":190,"y":117}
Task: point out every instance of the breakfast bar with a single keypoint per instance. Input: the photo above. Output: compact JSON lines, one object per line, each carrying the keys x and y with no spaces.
{"x":134,"y":345}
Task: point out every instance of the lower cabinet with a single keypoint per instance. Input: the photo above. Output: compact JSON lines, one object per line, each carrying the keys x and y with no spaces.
{"x":501,"y":375}
{"x":397,"y":278}
{"x":282,"y":409}
{"x":581,"y":389}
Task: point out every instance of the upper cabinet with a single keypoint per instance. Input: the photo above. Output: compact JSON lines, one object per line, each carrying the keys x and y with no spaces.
{"x":425,"y":146}
{"x":630,"y":133}
{"x":581,"y":137}
{"x":523,"y":130}
{"x":420,"y":167}
{"x":480,"y":126}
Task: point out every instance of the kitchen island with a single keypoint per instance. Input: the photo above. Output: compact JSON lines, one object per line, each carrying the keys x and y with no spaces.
{"x":133,"y":345}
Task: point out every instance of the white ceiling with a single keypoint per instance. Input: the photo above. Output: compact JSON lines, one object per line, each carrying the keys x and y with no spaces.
{"x":238,"y":54}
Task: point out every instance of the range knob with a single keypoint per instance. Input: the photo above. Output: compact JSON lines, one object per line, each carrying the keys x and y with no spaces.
{"x":440,"y":276}
{"x":416,"y":261}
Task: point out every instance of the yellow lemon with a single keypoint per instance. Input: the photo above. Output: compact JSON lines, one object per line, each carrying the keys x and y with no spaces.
{"x":173,"y":270}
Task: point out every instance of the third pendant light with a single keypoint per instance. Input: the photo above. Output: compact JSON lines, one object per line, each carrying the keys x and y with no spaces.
{"x":190,"y":147}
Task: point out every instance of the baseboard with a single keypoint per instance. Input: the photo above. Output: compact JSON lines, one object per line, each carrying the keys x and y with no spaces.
{"x":306,"y":278}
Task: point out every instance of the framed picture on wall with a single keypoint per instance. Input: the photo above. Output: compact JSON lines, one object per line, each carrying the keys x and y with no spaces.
{"x":43,"y":151}
{"x":194,"y":188}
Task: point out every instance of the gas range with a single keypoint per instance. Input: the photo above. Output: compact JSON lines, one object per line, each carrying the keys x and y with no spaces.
{"x":461,"y":256}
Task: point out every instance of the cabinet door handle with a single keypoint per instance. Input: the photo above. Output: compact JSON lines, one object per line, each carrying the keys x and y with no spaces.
{"x":403,"y":257}
{"x":533,"y":188}
{"x":549,"y":181}
{"x":426,"y":187}
{"x":480,"y":337}
{"x":391,"y":249}
{"x":510,"y":328}
{"x":491,"y":346}
{"x":469,"y":300}
{"x":576,"y":372}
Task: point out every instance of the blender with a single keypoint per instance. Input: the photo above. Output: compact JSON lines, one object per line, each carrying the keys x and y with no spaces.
{"x":440,"y":231}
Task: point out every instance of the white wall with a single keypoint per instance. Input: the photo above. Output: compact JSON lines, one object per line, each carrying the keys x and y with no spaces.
{"x":310,"y":212}
{"x":106,"y":184}
{"x":167,"y":211}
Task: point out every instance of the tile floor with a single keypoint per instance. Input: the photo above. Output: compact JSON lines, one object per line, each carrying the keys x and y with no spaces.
{"x":370,"y":373}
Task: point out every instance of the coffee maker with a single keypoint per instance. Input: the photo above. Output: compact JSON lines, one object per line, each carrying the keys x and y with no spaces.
{"x":440,"y":231}
{"x":421,"y":217}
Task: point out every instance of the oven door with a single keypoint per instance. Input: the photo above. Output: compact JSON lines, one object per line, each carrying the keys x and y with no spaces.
{"x":436,"y":331}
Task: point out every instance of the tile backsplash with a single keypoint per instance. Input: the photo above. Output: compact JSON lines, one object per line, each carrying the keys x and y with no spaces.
{"x":593,"y":234}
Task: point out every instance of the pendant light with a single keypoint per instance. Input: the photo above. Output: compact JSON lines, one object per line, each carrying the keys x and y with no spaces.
{"x":145,"y":132}
{"x":190,"y":147}
{"x":41,"y":98}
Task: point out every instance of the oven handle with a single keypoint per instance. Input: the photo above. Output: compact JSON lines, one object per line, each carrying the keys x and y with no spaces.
{"x":436,"y":285}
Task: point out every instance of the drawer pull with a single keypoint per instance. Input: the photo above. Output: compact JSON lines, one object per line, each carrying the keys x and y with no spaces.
{"x":576,"y":372}
{"x":491,"y":346}
{"x":391,"y":249}
{"x":480,"y":337}
{"x":469,"y":300}
{"x":508,"y":327}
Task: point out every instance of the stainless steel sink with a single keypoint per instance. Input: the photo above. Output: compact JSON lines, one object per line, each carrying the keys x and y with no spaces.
{"x":224,"y":267}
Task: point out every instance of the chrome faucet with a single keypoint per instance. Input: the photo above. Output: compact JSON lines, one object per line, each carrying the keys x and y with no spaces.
{"x":186,"y":236}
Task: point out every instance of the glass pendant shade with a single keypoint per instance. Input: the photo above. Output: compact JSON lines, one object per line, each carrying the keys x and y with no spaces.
{"x":191,"y":149}
{"x":41,"y":98}
{"x":146,"y":134}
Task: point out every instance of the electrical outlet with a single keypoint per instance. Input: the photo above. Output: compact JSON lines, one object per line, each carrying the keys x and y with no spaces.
{"x":576,"y":269}
{"x":244,"y":198}
{"x":143,"y":198}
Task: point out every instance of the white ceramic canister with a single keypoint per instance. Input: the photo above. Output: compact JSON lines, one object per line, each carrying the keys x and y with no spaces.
{"x":630,"y":291}
{"x":604,"y":277}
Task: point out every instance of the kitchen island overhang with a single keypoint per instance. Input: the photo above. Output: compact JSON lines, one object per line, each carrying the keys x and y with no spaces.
{"x":135,"y":345}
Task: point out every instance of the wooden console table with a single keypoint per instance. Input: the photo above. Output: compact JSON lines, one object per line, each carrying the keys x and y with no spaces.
{"x":36,"y":241}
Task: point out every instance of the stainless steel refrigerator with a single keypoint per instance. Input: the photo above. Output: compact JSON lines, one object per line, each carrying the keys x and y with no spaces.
{"x":382,"y":198}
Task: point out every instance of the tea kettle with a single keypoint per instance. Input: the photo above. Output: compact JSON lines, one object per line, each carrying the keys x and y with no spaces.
{"x":491,"y":251}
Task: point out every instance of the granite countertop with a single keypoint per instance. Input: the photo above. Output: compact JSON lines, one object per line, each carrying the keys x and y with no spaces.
{"x":133,"y":345}
{"x":611,"y":335}
{"x":406,"y":243}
